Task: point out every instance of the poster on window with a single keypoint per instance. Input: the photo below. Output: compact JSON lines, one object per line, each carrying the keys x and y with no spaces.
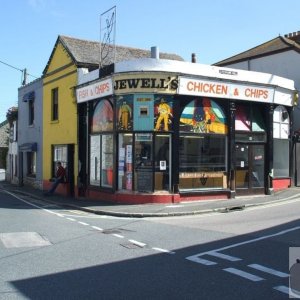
{"x":124,"y":112}
{"x":203,"y":115}
{"x":163,"y":113}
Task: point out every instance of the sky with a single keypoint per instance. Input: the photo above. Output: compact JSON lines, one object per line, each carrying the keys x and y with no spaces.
{"x":212,"y":29}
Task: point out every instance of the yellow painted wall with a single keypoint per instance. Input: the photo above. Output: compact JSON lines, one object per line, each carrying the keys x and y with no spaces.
{"x":61,"y":74}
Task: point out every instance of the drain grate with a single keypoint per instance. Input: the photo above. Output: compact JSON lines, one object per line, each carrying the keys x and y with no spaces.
{"x":130,"y":246}
{"x":233,"y":208}
{"x":111,"y":231}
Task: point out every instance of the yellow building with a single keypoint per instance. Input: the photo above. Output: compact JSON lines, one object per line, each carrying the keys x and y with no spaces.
{"x":60,"y":141}
{"x":64,"y":131}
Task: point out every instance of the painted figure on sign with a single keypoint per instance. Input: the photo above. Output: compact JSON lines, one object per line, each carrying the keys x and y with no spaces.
{"x":125,"y":115}
{"x":164,"y":112}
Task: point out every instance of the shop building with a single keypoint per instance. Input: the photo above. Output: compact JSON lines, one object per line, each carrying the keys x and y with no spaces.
{"x":170,"y":131}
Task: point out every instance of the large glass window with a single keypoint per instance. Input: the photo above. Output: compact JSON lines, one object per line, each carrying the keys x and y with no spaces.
{"x":95,"y":160}
{"x":102,"y":117}
{"x":202,"y":146}
{"x":107,"y":160}
{"x":102,"y":145}
{"x":281,"y":129}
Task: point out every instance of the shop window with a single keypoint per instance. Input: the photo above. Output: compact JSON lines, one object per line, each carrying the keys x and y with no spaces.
{"x":95,"y":160}
{"x":203,"y":116}
{"x":202,"y":146}
{"x":249,"y":118}
{"x":163,"y":113}
{"x":101,"y":160}
{"x":281,"y":130}
{"x":125,"y":169}
{"x":54,"y":104}
{"x":102,"y":117}
{"x":124,"y":112}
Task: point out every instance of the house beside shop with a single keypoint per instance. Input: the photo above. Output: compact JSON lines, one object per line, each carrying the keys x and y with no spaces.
{"x":279,"y":56}
{"x":30,"y":134}
{"x":167,"y":131}
{"x":11,"y":174}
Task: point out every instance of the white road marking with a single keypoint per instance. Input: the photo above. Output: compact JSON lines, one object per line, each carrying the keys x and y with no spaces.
{"x":163,"y":250}
{"x":268,"y":270}
{"x":202,"y":261}
{"x":282,"y":288}
{"x":246,"y":242}
{"x":82,"y":223}
{"x":71,"y":219}
{"x":137,"y":243}
{"x":224,"y":256}
{"x":243,"y":274}
{"x":97,"y":228}
{"x":118,"y":236}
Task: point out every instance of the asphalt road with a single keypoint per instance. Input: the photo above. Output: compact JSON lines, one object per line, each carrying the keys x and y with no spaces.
{"x":48,"y":252}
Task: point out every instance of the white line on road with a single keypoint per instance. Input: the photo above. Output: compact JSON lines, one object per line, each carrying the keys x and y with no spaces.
{"x":268,"y":270}
{"x":137,"y":243}
{"x":71,"y":219}
{"x":282,"y":288}
{"x":97,"y":228}
{"x":202,"y":261}
{"x":118,"y":236}
{"x":224,"y":256}
{"x":163,"y":250}
{"x":82,"y":223}
{"x":247,"y":242}
{"x":243,"y":274}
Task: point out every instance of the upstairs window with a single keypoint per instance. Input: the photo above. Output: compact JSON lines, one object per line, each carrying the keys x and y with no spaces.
{"x":31,"y":112}
{"x":54,"y":104}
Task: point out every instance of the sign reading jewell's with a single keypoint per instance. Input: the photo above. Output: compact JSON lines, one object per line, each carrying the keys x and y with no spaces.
{"x":219,"y":89}
{"x":96,"y":90}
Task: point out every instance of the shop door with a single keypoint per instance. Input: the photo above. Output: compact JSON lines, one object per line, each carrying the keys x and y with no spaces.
{"x":250,"y":169}
{"x":162,"y":162}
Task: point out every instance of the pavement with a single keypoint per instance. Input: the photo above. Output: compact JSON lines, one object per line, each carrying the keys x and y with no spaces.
{"x":155,"y":210}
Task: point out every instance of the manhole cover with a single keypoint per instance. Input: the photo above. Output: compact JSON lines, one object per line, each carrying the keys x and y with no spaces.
{"x":23,"y":239}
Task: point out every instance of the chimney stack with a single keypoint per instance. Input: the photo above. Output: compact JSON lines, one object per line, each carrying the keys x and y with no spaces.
{"x":155,"y":52}
{"x":194,"y":58}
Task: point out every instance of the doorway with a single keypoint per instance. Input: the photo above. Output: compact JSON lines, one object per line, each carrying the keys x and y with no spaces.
{"x":250,"y":169}
{"x":162,"y":162}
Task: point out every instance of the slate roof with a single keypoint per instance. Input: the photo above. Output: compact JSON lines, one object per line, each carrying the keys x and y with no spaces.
{"x":276,"y":45}
{"x":85,"y":53}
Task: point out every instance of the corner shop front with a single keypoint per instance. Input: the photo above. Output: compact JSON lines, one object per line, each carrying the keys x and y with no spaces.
{"x":171,"y":137}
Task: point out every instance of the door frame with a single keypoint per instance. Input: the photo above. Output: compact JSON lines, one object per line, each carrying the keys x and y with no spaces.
{"x":249,"y":189}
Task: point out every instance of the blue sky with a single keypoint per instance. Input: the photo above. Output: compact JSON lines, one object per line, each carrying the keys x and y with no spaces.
{"x":213,"y":29}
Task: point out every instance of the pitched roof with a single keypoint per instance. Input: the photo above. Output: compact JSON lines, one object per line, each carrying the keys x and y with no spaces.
{"x":86,"y":53}
{"x":276,"y":45}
